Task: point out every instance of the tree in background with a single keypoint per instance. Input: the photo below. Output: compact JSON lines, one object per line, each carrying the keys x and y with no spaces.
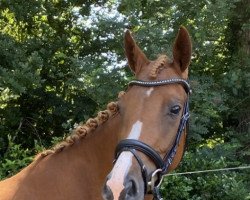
{"x":50,"y":60}
{"x":61,"y":61}
{"x":236,"y":81}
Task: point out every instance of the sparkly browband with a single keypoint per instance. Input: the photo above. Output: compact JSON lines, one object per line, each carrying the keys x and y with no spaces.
{"x":163,"y":82}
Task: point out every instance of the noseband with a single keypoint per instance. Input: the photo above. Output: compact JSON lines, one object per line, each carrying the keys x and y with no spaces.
{"x":162,"y":165}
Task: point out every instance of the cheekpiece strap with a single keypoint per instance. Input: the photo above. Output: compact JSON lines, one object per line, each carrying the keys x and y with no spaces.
{"x":168,"y":159}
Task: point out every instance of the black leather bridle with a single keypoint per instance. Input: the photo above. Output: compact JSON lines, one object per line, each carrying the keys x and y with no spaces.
{"x":151,"y":185}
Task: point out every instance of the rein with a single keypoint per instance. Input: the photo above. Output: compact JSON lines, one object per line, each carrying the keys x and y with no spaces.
{"x":162,"y":165}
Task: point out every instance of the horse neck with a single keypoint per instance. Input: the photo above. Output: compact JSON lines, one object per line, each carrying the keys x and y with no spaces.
{"x":96,"y":151}
{"x":84,"y":165}
{"x":100,"y":145}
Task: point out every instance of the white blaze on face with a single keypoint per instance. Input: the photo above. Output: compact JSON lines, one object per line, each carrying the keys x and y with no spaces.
{"x":149,"y":91}
{"x":123,"y":164}
{"x":119,"y":172}
{"x":135,"y":131}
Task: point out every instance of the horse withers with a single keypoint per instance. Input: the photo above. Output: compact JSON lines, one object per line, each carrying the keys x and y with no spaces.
{"x":143,"y":133}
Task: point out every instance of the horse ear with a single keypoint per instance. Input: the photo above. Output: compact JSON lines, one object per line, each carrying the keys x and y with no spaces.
{"x":182,"y":49}
{"x":136,"y":58}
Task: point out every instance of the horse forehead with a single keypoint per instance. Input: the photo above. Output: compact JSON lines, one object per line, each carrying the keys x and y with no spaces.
{"x":149,"y":91}
{"x":140,"y":99}
{"x":156,"y":93}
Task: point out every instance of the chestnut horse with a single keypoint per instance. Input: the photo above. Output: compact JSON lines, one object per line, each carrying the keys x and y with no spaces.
{"x":144,"y":131}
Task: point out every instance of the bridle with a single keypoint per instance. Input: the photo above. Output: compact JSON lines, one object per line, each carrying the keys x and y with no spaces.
{"x":151,"y":185}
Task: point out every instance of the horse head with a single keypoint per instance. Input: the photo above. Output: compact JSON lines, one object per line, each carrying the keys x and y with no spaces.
{"x":154,"y":112}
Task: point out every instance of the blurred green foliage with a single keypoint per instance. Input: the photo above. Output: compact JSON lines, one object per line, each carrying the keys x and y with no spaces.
{"x":228,"y":185}
{"x":62,"y":61}
{"x":15,"y":158}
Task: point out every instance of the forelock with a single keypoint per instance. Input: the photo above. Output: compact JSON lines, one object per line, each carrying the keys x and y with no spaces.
{"x":158,"y":65}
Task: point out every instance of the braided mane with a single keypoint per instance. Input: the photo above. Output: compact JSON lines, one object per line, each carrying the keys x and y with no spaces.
{"x":83,"y":130}
{"x":112,"y":108}
{"x":158,"y":65}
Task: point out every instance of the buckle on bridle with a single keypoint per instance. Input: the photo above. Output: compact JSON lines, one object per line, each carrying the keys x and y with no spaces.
{"x":154,"y":178}
{"x":153,"y":187}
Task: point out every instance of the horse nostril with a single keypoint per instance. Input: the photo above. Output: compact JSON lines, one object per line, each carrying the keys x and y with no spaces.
{"x":107,"y":193}
{"x":131,"y":188}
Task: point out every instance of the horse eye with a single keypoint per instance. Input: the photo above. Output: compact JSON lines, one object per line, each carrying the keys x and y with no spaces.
{"x":175,"y":110}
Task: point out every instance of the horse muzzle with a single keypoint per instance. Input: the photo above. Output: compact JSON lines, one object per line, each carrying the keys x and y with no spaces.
{"x":132,"y":190}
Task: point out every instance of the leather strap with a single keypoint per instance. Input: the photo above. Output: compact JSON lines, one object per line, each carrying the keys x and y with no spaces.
{"x":144,"y":171}
{"x":184,"y":83}
{"x":142,"y":147}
